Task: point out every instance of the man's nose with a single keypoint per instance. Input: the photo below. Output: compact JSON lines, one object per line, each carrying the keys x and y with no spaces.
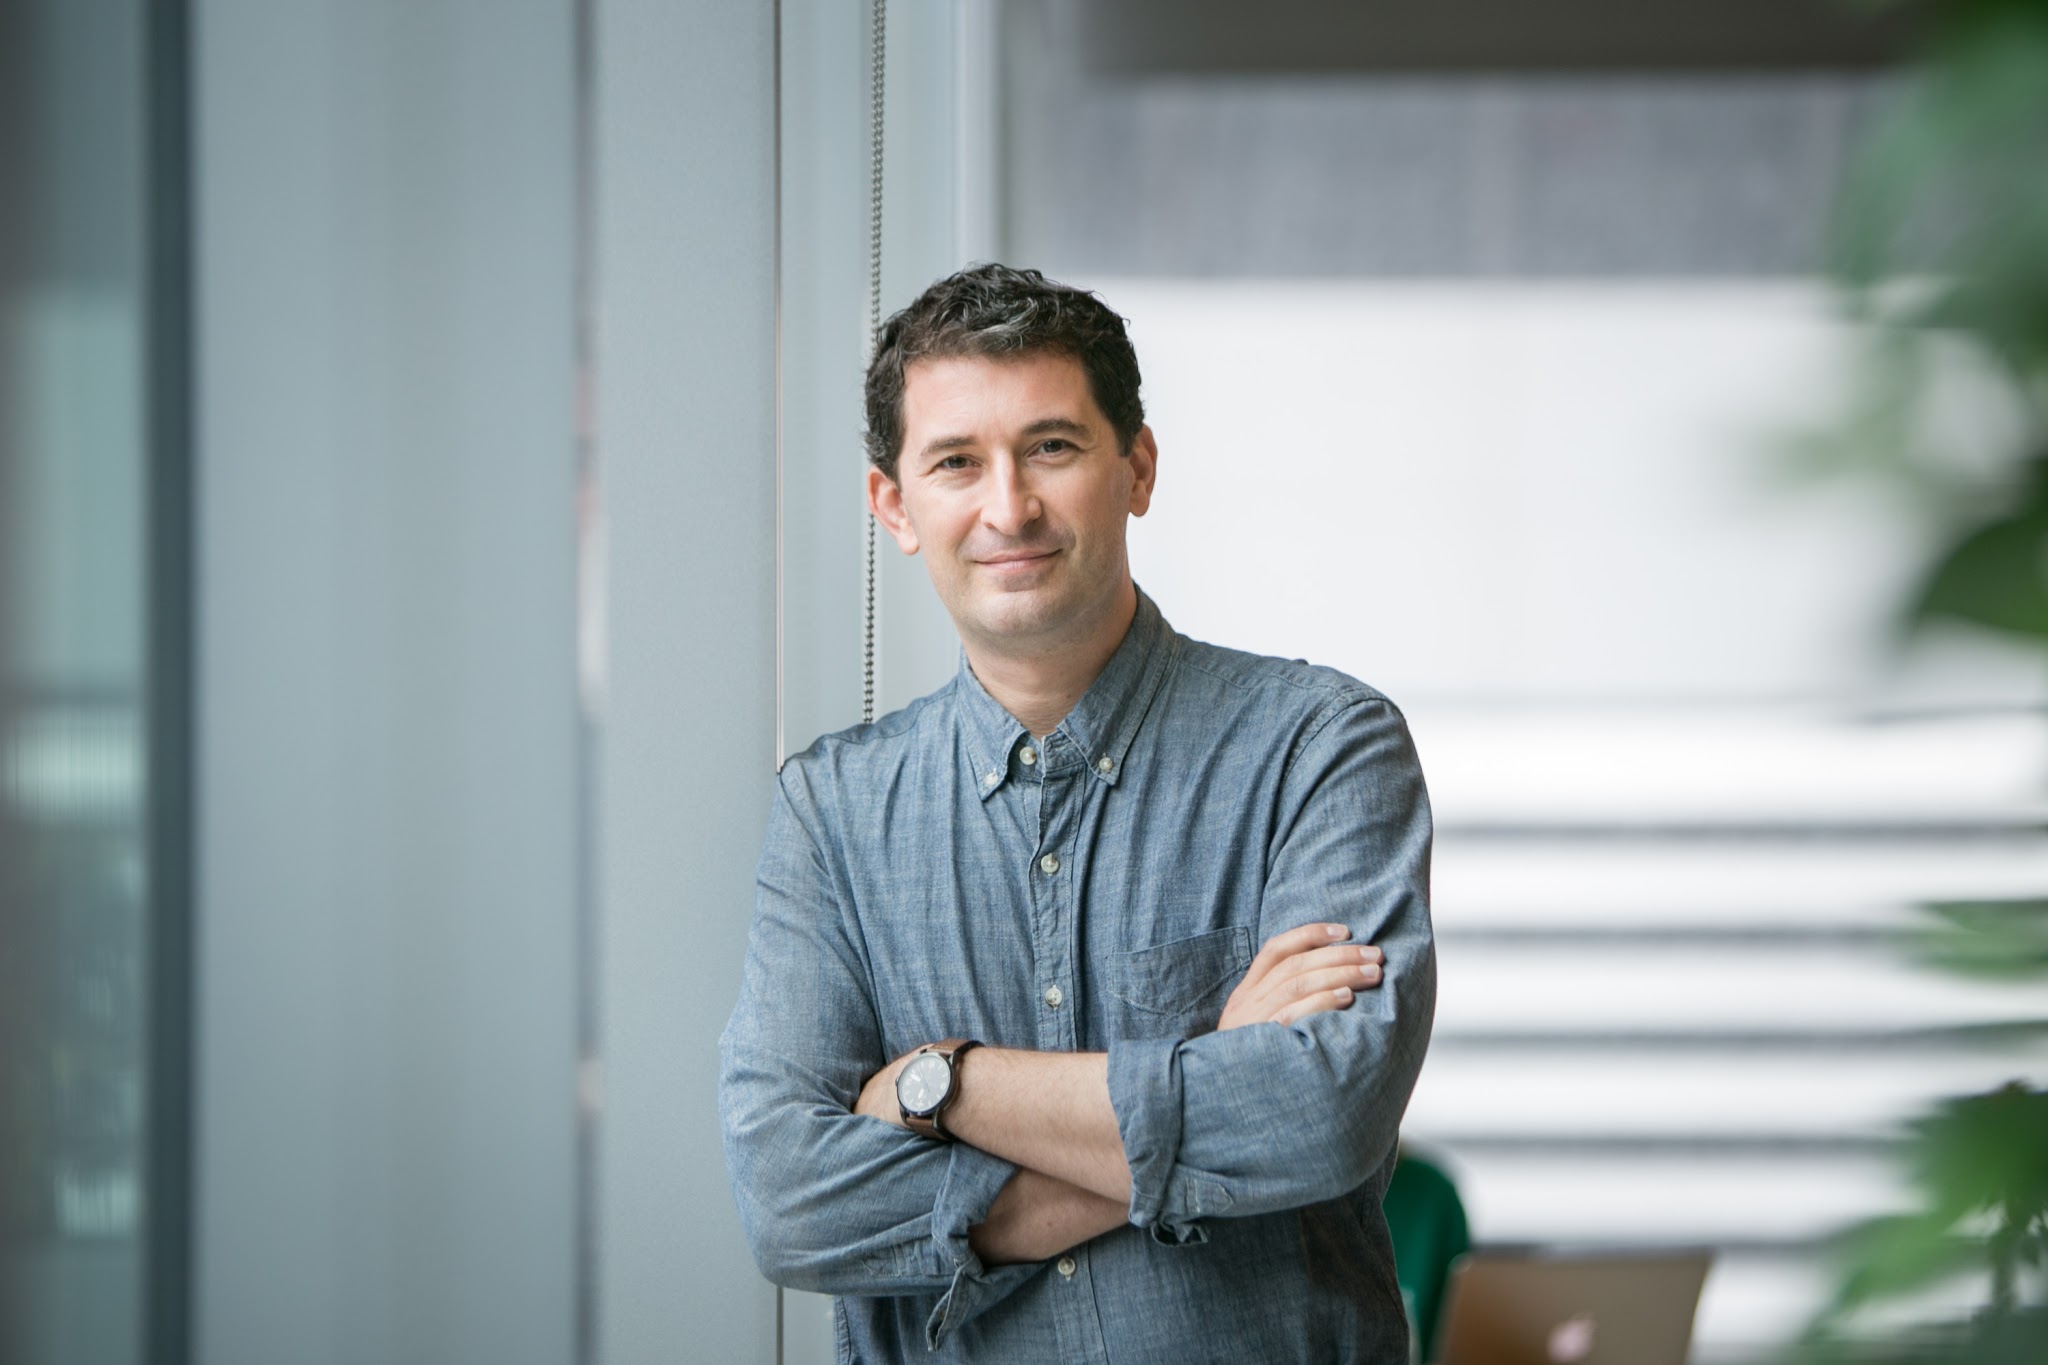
{"x":1012,"y":504}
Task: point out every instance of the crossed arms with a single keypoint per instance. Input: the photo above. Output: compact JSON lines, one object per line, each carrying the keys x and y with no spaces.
{"x":1049,"y":1113}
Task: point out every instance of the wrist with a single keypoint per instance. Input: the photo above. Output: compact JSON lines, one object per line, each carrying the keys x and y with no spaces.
{"x":977,"y":1075}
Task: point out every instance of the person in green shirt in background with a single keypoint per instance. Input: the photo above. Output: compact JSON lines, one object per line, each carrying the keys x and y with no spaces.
{"x":1426,"y":1219}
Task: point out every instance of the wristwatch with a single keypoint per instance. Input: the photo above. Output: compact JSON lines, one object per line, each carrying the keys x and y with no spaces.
{"x":929,"y":1082}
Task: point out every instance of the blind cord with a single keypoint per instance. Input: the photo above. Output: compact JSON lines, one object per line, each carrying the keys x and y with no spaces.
{"x":877,"y":51}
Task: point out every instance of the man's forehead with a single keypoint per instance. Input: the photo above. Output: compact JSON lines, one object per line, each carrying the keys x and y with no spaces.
{"x":1029,"y":386}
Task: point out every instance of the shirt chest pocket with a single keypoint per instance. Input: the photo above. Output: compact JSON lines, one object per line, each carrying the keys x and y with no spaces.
{"x":1176,"y":989}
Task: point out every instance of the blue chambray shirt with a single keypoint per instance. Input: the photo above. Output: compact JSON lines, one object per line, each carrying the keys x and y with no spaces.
{"x":940,"y":874}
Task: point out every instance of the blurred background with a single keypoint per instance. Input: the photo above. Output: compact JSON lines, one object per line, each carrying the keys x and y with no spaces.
{"x":430,"y":506}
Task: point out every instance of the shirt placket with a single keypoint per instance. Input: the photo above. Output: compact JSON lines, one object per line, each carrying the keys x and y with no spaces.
{"x":1052,"y":765}
{"x":1060,"y":771}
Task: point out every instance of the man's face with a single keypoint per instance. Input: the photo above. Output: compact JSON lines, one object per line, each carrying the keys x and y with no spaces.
{"x":1011,"y":484}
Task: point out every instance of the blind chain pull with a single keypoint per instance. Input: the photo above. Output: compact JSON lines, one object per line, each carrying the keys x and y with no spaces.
{"x":877,"y":51}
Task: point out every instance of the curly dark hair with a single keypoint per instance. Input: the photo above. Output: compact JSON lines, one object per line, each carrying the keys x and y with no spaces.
{"x":997,"y":311}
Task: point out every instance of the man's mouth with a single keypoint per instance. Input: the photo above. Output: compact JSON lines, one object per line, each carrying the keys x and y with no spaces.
{"x":1015,"y":559}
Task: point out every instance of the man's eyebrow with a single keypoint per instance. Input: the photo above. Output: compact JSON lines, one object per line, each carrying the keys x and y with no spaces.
{"x":934,"y":446}
{"x":1044,"y":426}
{"x":1056,"y":426}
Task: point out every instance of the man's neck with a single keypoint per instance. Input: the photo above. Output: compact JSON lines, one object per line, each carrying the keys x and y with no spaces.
{"x":1040,"y":686}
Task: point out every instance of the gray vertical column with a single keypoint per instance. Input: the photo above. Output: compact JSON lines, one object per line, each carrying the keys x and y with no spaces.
{"x":387,"y":758}
{"x":684,"y":389}
{"x":824,"y":302}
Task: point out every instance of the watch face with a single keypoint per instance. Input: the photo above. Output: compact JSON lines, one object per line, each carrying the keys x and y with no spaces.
{"x":922,"y":1085}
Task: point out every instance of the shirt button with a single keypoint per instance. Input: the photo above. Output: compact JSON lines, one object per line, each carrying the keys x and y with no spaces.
{"x":1105,"y":764}
{"x":1027,"y":755}
{"x":1067,"y":1266}
{"x":1054,"y":997}
{"x":991,"y":779}
{"x":1049,"y":864}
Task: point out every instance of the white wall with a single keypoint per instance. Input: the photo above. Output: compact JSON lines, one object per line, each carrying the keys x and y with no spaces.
{"x":1502,"y":492}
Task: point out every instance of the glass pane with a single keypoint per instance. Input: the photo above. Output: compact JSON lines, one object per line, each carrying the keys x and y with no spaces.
{"x":75,"y":896}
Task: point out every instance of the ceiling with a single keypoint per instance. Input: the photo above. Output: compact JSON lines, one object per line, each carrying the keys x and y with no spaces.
{"x":1138,"y":37}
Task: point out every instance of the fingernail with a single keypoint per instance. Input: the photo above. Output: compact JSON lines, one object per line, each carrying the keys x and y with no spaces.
{"x":1338,"y":930}
{"x":1344,"y":995}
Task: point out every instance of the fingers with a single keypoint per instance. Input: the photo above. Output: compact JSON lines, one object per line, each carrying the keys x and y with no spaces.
{"x":1354,"y":964}
{"x":1316,"y":977}
{"x":1306,"y":938}
{"x":1312,"y":941}
{"x":1313,"y":977}
{"x":1352,"y":975}
{"x":1322,"y":1002}
{"x":1325,"y":959}
{"x":1306,"y":970}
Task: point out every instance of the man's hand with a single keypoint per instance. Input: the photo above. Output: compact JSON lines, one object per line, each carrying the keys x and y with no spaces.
{"x":1302,"y":972}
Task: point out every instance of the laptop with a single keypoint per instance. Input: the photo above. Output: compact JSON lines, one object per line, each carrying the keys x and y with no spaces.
{"x":1545,"y":1307}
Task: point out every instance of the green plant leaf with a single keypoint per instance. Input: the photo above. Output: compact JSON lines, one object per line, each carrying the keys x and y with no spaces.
{"x":1997,"y":575}
{"x":1949,"y":182}
{"x":1887,"y":1257}
{"x":1987,"y":938}
{"x":1983,"y":1153}
{"x":1992,"y":577}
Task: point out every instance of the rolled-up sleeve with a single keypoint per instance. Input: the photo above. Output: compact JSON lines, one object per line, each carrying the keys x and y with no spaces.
{"x":1269,"y":1117}
{"x":832,"y":1201}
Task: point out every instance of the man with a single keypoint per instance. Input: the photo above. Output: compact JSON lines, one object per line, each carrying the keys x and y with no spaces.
{"x":1006,"y":1073}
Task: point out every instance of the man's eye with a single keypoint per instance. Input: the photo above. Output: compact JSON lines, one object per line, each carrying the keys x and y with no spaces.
{"x":953,"y":462}
{"x":1053,"y":445}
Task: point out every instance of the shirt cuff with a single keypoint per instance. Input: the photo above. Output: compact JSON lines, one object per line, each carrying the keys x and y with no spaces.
{"x":1167,"y":1199}
{"x":973,"y":1180}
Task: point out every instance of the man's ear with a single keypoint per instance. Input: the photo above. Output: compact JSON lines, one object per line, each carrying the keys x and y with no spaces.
{"x":1144,"y":470}
{"x":885,"y":500}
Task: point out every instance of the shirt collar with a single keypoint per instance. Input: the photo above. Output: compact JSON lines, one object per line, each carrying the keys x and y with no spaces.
{"x":1102,"y":725}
